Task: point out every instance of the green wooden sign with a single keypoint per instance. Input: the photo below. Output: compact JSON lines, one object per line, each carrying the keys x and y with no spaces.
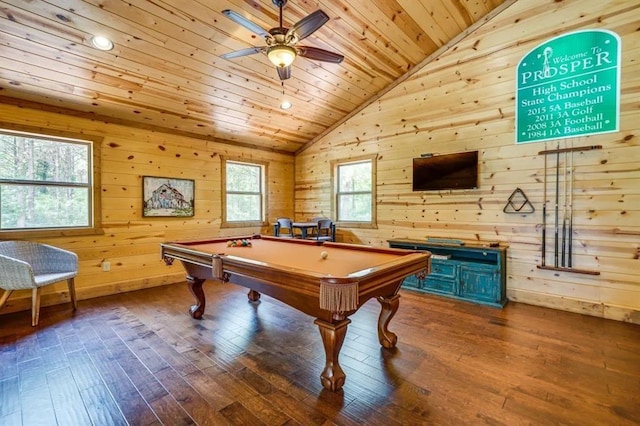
{"x":569,"y":86}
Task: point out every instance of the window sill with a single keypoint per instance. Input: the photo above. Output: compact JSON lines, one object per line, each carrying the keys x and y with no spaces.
{"x":361,"y":225}
{"x":250,"y":224}
{"x":49,"y":233}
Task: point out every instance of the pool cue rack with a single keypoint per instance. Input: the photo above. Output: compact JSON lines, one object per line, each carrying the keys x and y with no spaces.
{"x":563,"y":243}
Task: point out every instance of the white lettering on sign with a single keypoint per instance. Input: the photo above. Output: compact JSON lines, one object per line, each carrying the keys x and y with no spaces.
{"x":569,"y":86}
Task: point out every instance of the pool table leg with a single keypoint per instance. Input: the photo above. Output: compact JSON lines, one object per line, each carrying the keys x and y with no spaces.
{"x":253,"y":295}
{"x":387,"y":338}
{"x":195,"y":287}
{"x":332,"y":376}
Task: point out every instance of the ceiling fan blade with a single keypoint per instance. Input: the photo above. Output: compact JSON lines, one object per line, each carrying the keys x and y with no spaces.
{"x":284,"y":72}
{"x":309,"y":24}
{"x":251,"y":26}
{"x":319,"y":54}
{"x":243,"y":52}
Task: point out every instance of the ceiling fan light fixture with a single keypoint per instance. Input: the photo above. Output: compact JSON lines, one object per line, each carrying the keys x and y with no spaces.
{"x":281,"y":55}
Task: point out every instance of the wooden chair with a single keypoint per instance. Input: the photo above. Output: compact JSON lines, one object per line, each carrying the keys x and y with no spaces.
{"x":30,"y":265}
{"x":284,"y":228}
{"x":324,"y":231}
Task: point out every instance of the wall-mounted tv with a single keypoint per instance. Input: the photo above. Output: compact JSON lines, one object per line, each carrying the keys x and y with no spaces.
{"x":448,"y":171}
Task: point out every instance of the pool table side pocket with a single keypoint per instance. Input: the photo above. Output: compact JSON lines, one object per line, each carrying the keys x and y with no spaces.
{"x":338,"y":296}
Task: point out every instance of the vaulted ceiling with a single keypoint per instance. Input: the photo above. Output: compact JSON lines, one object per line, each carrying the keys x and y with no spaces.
{"x":165,"y":71}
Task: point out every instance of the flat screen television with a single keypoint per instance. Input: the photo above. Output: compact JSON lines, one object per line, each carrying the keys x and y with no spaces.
{"x":448,"y":171}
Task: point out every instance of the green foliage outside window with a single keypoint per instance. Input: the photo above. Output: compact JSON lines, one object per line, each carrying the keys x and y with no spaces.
{"x":244,"y":192}
{"x":44,"y":183}
{"x":354,"y":192}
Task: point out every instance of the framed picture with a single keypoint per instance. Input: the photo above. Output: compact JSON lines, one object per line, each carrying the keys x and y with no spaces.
{"x":167,"y":197}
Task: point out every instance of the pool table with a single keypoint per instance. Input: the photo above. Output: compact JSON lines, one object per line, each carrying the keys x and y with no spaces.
{"x":328,"y":281}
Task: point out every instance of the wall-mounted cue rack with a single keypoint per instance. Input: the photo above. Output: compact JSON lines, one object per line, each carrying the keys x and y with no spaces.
{"x":562,"y":233}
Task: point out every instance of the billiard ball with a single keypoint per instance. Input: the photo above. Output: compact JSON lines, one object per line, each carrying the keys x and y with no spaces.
{"x":324,"y":255}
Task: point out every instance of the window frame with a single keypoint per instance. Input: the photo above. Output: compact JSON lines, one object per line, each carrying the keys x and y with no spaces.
{"x":335,"y":185}
{"x":263,"y":165}
{"x":95,"y":199}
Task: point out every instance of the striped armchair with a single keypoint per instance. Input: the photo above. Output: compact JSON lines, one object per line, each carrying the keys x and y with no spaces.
{"x":29,"y":265}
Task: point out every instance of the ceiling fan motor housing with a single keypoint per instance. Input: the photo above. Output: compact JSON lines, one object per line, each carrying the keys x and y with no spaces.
{"x":281,"y":35}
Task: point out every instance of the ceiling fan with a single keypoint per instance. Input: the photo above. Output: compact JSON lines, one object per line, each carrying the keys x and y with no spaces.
{"x":281,"y":42}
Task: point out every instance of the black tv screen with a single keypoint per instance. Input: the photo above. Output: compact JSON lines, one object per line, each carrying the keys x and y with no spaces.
{"x":449,"y":171}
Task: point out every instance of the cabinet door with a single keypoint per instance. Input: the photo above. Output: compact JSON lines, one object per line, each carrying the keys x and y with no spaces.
{"x":411,"y":281}
{"x":480,"y":282}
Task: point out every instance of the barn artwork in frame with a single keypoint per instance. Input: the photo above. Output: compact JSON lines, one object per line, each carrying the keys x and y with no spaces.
{"x":167,"y":197}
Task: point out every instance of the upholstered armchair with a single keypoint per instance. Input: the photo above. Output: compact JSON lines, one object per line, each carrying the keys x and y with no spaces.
{"x":29,"y":265}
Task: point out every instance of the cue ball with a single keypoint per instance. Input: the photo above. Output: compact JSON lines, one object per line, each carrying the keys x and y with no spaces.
{"x":324,"y":255}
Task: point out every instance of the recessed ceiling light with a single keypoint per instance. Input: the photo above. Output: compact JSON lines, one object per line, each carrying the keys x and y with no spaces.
{"x":286,"y":105}
{"x":101,"y":43}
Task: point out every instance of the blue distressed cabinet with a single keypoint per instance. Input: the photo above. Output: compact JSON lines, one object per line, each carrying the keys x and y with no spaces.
{"x":471,"y":272}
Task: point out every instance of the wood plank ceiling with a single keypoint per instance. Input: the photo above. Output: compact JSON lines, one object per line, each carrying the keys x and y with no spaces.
{"x":165,"y":71}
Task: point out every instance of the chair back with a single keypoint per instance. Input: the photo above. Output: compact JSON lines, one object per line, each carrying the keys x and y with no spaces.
{"x":24,"y":251}
{"x":325,"y":230}
{"x":43,"y":258}
{"x":284,"y":224}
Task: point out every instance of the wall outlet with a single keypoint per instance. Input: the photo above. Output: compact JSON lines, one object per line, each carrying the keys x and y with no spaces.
{"x":106,"y":266}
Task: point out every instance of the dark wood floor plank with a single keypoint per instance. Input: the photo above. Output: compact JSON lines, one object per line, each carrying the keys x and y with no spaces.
{"x":37,"y":407}
{"x":8,"y":361}
{"x":191,"y":401}
{"x":98,"y":401}
{"x":65,"y":396}
{"x":130,"y":402}
{"x":47,"y":337}
{"x":237,"y":414}
{"x":304,"y":414}
{"x":141,"y":377}
{"x":27,"y":348}
{"x":101,"y":406}
{"x":167,"y":354}
{"x":53,"y":358}
{"x":9,"y":396}
{"x":215,"y":396}
{"x":32,"y":374}
{"x":12,"y":419}
{"x":170,"y":412}
{"x":139,"y":358}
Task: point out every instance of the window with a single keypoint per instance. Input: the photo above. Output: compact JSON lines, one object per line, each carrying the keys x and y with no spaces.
{"x":46,"y":183}
{"x":354,"y":183}
{"x":244,"y":193}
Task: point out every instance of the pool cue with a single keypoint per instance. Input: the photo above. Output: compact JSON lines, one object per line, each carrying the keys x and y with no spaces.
{"x":555,"y":253}
{"x":570,"y":253}
{"x":544,"y":215}
{"x":563,"y":259}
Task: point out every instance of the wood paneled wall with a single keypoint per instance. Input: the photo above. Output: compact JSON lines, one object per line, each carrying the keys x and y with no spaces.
{"x":465,"y":100}
{"x":130,"y":242}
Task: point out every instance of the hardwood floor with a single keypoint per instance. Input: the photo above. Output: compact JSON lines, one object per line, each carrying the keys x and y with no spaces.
{"x":139,"y":359}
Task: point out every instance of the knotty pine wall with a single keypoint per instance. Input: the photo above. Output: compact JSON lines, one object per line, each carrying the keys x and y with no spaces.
{"x":464,"y":100}
{"x":130,"y":242}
